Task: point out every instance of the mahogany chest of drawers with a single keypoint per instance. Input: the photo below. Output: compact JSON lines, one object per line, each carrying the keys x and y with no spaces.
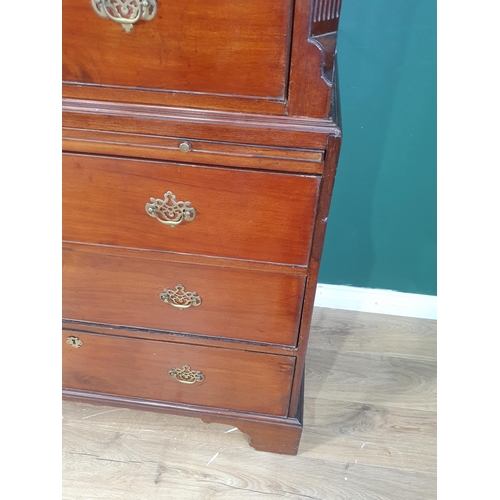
{"x":200,"y":144}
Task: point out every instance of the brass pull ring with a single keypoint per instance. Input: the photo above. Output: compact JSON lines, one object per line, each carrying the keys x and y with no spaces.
{"x":169,"y":211}
{"x":125,"y":12}
{"x":186,"y":376}
{"x":179,"y":298}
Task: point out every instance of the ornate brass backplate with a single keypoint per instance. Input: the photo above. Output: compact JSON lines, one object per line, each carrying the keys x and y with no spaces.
{"x":125,"y":12}
{"x":186,"y":375}
{"x":169,"y":211}
{"x":178,"y":297}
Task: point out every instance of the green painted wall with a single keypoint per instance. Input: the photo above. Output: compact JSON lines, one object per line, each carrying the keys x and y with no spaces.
{"x":382,"y":226}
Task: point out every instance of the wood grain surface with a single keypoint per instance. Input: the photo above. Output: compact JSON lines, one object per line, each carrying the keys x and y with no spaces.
{"x":124,"y":289}
{"x":231,"y":48}
{"x":377,"y":442}
{"x":239,"y":56}
{"x":248,"y":215}
{"x":234,"y":380}
{"x":153,"y":147}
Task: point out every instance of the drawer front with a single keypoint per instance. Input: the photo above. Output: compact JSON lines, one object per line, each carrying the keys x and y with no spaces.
{"x":260,"y":216}
{"x":218,"y":378}
{"x":138,"y":290}
{"x":229,"y":49}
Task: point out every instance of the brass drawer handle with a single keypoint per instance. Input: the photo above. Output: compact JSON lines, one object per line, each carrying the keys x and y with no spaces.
{"x":186,"y":376}
{"x":178,"y":297}
{"x":169,"y":211}
{"x":74,"y":342}
{"x":125,"y":12}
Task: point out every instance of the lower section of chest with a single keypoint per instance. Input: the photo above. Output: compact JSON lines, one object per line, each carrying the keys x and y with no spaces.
{"x":188,"y":287}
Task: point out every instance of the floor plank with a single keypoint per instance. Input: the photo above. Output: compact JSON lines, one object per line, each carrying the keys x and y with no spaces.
{"x":239,"y":473}
{"x":371,"y":379}
{"x":358,"y":433}
{"x":412,"y":338}
{"x":369,"y":430}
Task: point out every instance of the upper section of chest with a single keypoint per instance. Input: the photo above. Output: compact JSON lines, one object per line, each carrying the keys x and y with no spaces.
{"x":252,"y":56}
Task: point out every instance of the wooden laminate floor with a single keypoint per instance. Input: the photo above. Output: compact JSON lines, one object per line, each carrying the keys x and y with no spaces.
{"x":369,"y":430}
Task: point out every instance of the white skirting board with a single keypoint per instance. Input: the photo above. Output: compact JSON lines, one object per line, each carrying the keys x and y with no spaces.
{"x":377,"y":301}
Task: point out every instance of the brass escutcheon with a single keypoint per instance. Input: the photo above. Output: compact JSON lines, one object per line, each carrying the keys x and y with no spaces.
{"x":186,"y":376}
{"x":178,"y":297}
{"x":169,"y":211}
{"x":74,"y":342}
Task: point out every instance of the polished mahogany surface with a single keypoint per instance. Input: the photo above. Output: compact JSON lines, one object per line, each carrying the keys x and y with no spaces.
{"x":206,"y":152}
{"x":124,"y":289}
{"x":238,"y":49}
{"x":240,"y":214}
{"x":236,"y":380}
{"x":221,"y":47}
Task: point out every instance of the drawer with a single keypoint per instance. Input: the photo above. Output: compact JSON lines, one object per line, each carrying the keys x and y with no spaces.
{"x":139,"y":289}
{"x":240,"y":214}
{"x":185,"y":53}
{"x":145,"y":369}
